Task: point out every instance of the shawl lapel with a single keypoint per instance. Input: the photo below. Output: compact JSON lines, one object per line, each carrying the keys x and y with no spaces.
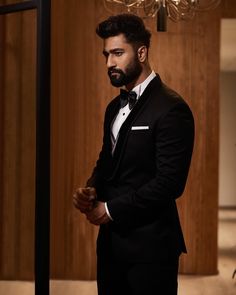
{"x":125,"y":128}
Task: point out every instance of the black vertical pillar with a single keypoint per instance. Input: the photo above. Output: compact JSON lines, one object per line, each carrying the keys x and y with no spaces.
{"x":42,"y":197}
{"x":42,"y":209}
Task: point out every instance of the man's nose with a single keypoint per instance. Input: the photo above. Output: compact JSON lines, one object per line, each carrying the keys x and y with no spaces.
{"x":110,"y":62}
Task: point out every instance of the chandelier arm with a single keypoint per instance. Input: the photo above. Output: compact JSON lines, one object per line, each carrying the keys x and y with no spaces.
{"x":153,"y":10}
{"x":172,"y":12}
{"x":115,"y":1}
{"x":175,"y":10}
{"x":142,"y":4}
{"x":180,"y":10}
{"x":211,"y":4}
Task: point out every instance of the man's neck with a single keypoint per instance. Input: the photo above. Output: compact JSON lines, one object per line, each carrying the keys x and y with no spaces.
{"x":142,"y":77}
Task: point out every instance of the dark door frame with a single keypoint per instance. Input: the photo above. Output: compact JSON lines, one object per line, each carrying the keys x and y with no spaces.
{"x":42,"y":193}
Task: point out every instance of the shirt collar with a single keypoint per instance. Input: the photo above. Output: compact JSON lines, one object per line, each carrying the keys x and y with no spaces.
{"x":139,"y":89}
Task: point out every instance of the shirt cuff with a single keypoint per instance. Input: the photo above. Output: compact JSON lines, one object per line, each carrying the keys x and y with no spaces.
{"x":107,"y":211}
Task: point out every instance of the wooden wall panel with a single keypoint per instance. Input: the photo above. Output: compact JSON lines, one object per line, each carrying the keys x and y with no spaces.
{"x":79,"y":94}
{"x":187,"y":58}
{"x":18,"y":99}
{"x":228,"y":8}
{"x":191,"y":66}
{"x":2,"y":38}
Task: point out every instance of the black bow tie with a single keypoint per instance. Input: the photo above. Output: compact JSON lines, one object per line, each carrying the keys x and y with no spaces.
{"x":127,"y":97}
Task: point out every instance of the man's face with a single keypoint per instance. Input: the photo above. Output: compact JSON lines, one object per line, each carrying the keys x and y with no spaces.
{"x":122,"y":61}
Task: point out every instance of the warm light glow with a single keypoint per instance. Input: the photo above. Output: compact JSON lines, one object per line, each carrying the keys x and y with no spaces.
{"x":175,"y":9}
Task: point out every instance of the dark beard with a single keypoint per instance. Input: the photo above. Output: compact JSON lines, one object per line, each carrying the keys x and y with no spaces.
{"x":131,"y":73}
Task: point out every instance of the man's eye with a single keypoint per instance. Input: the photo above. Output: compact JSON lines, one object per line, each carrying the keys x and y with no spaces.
{"x":119,"y":53}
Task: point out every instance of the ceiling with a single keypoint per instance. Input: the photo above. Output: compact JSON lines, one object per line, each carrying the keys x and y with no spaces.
{"x":228,"y":45}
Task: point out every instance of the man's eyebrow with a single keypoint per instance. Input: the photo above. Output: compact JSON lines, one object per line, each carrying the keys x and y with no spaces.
{"x":105,"y":52}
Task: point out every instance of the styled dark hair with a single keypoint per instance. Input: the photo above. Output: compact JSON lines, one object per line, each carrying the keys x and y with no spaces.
{"x":130,"y":25}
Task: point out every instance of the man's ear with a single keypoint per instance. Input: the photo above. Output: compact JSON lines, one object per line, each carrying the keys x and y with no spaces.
{"x":142,"y":53}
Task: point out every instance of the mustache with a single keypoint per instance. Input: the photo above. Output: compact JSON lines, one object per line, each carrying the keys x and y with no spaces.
{"x":113,"y":70}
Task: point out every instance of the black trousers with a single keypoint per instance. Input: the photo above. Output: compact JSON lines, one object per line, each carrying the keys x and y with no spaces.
{"x":120,"y":278}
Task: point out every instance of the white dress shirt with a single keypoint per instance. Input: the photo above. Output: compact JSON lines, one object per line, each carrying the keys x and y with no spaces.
{"x":123,"y":114}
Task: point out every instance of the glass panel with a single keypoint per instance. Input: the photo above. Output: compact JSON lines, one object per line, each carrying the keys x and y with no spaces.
{"x":17,"y":149}
{"x":7,"y":2}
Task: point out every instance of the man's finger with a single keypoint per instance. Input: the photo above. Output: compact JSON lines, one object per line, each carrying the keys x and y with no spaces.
{"x":83,"y":202}
{"x":80,"y":196}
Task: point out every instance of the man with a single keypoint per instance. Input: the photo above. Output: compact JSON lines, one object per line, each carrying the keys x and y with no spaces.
{"x":141,"y":170}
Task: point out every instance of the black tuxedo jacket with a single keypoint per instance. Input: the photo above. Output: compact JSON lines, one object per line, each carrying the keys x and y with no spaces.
{"x":142,"y":179}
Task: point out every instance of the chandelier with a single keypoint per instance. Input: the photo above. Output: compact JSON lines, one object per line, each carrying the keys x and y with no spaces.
{"x":176,"y":10}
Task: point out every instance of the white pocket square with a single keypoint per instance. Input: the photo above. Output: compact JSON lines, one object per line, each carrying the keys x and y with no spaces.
{"x":139,"y":127}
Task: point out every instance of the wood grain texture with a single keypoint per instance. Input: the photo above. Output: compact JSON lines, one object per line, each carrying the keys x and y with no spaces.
{"x":228,"y":9}
{"x":187,"y":58}
{"x":80,"y":93}
{"x":2,"y":58}
{"x":18,"y":146}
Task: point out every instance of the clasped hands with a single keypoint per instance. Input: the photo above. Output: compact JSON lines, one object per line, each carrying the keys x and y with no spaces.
{"x":85,"y":200}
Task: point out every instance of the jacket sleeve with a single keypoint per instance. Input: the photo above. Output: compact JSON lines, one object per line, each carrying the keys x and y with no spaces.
{"x":173,"y":139}
{"x":95,"y":179}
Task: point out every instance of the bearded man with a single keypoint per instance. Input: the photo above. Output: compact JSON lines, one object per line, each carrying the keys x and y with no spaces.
{"x":141,"y":170}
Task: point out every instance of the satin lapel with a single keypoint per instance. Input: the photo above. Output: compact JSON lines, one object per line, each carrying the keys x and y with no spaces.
{"x":113,"y":111}
{"x":125,"y":128}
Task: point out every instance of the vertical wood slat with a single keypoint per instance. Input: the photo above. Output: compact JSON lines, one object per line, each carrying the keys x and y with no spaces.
{"x":228,"y":9}
{"x":28,"y":142}
{"x":11,"y":140}
{"x":74,"y":103}
{"x":2,"y":37}
{"x":18,"y":136}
